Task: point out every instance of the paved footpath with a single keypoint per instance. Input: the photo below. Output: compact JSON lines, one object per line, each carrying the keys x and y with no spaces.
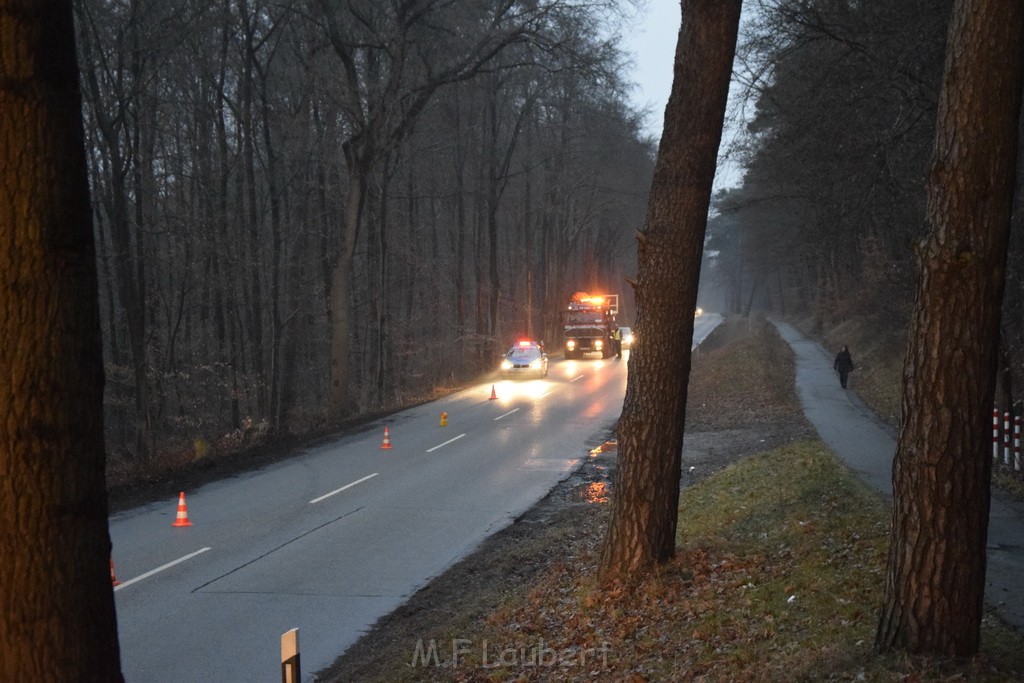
{"x":867,"y":445}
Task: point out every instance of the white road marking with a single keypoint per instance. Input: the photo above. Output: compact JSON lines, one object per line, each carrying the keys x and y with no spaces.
{"x":543,"y":395}
{"x":158,"y":569}
{"x":431,"y":450}
{"x":346,"y":486}
{"x":576,"y":378}
{"x":506,"y":414}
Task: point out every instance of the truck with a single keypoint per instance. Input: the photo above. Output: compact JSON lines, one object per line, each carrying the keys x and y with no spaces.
{"x":590,"y":324}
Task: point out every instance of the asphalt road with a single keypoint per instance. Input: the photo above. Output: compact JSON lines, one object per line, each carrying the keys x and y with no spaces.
{"x":331,"y":540}
{"x":867,"y":445}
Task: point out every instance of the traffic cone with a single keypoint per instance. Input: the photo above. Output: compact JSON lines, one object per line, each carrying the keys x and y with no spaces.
{"x":387,"y":440}
{"x":494,"y":395}
{"x":182,"y":518}
{"x":113,"y":579}
{"x":444,"y":419}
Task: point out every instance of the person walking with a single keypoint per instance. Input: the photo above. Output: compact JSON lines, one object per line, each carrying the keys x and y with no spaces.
{"x":843,"y":364}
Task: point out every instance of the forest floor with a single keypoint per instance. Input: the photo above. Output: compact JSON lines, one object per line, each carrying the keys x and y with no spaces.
{"x":778,"y":574}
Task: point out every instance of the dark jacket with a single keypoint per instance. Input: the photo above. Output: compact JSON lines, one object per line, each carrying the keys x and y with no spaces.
{"x":843,"y":362}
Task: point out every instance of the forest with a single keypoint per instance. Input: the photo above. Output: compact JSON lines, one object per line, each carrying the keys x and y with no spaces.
{"x":308,"y":211}
{"x":305,"y":212}
{"x":311,"y":211}
{"x":840,"y":102}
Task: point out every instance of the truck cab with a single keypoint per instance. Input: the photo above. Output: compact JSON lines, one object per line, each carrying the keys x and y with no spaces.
{"x":590,"y":324}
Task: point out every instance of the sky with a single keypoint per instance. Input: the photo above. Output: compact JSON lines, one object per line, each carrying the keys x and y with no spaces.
{"x":652,"y":43}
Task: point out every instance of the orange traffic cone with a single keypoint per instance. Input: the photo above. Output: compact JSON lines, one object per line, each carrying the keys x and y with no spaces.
{"x":494,"y":396}
{"x":387,"y":440}
{"x":113,"y":579}
{"x":182,"y":518}
{"x":444,"y":419}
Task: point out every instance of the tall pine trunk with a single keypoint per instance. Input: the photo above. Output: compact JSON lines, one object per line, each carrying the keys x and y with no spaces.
{"x":57,"y":620}
{"x":642,"y":528}
{"x":935,"y":583}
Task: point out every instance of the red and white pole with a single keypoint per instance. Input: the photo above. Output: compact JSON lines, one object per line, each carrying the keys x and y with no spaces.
{"x":995,"y":433}
{"x":1016,"y":443}
{"x":1006,"y":437}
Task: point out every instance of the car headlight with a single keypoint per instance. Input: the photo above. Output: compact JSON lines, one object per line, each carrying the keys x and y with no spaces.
{"x":535,"y":365}
{"x":599,"y":344}
{"x":506,"y":365}
{"x":628,"y":339}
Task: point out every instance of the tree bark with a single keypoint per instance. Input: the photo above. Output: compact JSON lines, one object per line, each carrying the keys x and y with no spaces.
{"x":340,"y":295}
{"x":936,"y":572}
{"x":57,"y":620}
{"x":642,"y":529}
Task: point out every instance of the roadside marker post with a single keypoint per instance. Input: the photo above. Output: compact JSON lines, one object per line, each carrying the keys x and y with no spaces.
{"x":1006,"y":437}
{"x":290,"y":656}
{"x":1016,"y":443}
{"x":995,"y":434}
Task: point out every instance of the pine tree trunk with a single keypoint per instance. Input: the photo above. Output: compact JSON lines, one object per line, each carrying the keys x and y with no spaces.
{"x":57,"y":620}
{"x":643,"y":525}
{"x":936,"y":573}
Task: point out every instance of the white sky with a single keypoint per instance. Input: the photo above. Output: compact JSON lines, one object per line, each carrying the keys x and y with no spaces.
{"x":652,"y":43}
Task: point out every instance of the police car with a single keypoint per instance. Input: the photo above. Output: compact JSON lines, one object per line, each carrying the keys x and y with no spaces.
{"x":526,"y":358}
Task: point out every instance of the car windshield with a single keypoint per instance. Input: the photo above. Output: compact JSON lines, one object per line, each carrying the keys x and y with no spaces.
{"x":584,"y":318}
{"x":523,"y":353}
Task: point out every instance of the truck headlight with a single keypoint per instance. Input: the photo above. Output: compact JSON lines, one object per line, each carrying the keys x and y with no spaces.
{"x":599,"y":344}
{"x":571,"y":344}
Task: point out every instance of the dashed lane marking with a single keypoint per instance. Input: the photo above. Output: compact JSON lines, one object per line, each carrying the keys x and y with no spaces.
{"x":431,"y":450}
{"x":140,"y":577}
{"x":346,"y":486}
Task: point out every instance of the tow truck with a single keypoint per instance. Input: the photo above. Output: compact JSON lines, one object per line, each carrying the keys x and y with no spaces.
{"x":590,"y":324}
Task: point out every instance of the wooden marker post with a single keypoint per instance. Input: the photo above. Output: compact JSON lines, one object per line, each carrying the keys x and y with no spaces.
{"x":290,"y":656}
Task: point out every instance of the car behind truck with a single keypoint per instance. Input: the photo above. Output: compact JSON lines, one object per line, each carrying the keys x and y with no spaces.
{"x":590,"y":325}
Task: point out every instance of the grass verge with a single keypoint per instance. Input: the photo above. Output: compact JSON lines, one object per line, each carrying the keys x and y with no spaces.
{"x":778,"y":575}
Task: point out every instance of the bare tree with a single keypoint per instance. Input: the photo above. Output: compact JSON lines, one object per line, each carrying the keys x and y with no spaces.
{"x":642,"y":529}
{"x":936,"y":572}
{"x":209,"y":214}
{"x":57,"y":620}
{"x":395,"y":57}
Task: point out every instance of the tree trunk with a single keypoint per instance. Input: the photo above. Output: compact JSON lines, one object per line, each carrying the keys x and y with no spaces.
{"x":642,"y":528}
{"x":57,"y":620}
{"x":936,"y":573}
{"x":338,"y":401}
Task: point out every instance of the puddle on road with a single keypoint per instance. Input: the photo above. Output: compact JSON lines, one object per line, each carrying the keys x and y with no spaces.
{"x":594,"y":492}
